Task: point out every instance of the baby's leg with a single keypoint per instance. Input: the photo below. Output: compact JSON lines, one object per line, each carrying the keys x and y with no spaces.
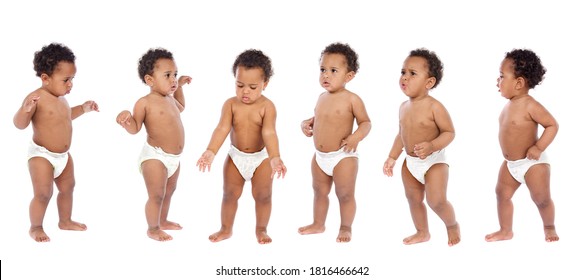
{"x":66,"y":184}
{"x":170,"y":188}
{"x":436,"y":192}
{"x":344,"y":181}
{"x":538,"y":180}
{"x":415,"y":193}
{"x":155,"y":177}
{"x":505,"y":189}
{"x":261,"y":190}
{"x":41,"y":174}
{"x":322,"y":184}
{"x":232,"y":190}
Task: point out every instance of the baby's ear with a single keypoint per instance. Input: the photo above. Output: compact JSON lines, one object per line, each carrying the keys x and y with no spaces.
{"x":149,"y":80}
{"x":430,"y":83}
{"x":265,"y":83}
{"x":350,"y":75}
{"x":520,"y":83}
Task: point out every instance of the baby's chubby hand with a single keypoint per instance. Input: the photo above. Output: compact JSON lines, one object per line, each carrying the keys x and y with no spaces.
{"x":184,"y":80}
{"x":388,"y":167}
{"x":89,"y":106}
{"x":423,"y":150}
{"x":350,"y":143}
{"x":278,"y":167}
{"x":205,"y":161}
{"x":124,"y":118}
{"x":30,"y":103}
{"x":308,"y":127}
{"x":533,"y":153}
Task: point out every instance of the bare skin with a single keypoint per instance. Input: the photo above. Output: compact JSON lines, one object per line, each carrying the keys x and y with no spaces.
{"x":424,"y":127}
{"x":249,"y":118}
{"x":518,"y":136}
{"x":332,"y":130}
{"x":159,"y":112}
{"x":51,"y":117}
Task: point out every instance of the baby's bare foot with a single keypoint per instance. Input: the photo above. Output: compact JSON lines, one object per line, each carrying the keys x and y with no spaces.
{"x":262,"y":236}
{"x":499,"y":236}
{"x":168,"y":225}
{"x":420,"y":236}
{"x":158,"y":234}
{"x":344,"y":235}
{"x":453,"y":235}
{"x":72,"y":225}
{"x":551,"y":234}
{"x":220,"y":235}
{"x":38,"y":234}
{"x":311,"y":229}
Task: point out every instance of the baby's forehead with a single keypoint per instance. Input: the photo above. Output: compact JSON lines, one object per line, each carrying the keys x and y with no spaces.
{"x":416,"y":62}
{"x":164,"y":64}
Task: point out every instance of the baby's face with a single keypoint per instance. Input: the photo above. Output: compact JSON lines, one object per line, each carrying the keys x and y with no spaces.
{"x":415,"y":80}
{"x":506,"y":80}
{"x":334,"y":72}
{"x":165,"y":77}
{"x":61,"y":81}
{"x":249,"y":84}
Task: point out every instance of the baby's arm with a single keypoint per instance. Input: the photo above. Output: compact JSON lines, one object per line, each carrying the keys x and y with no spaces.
{"x":308,"y":127}
{"x":24,"y":114}
{"x":364,"y":125}
{"x":219,"y":135}
{"x":272,"y":142}
{"x":540,"y":115}
{"x":133,"y":124}
{"x":396,"y":151}
{"x":445,"y":137}
{"x":86,"y":107}
{"x":179,"y":94}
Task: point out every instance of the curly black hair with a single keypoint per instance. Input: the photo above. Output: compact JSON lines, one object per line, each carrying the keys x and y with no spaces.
{"x":148,"y":61}
{"x":253,"y":58}
{"x":46,"y":60}
{"x":346,"y":51}
{"x":434,"y":64}
{"x":528,"y":66}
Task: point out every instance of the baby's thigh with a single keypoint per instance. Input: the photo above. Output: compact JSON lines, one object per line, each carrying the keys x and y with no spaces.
{"x":538,"y":179}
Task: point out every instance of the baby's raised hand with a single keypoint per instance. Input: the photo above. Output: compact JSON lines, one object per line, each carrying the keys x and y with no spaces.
{"x":205,"y":161}
{"x":30,"y":103}
{"x":423,"y":150}
{"x":278,"y":167}
{"x":533,"y":153}
{"x":89,"y":106}
{"x":308,"y":127}
{"x":184,"y":80}
{"x":123,"y":118}
{"x":388,"y":167}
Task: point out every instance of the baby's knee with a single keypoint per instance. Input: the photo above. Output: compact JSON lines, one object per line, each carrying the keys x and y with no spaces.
{"x":542,"y":201}
{"x":262,"y":197}
{"x":437,"y":205}
{"x":43,"y":197}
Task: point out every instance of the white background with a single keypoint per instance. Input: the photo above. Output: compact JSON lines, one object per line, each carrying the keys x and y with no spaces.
{"x":108,"y":38}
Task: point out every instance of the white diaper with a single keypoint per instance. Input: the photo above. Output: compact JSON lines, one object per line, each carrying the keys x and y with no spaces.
{"x":419,"y":167}
{"x":518,"y":168}
{"x":327,"y":161}
{"x":57,"y":160}
{"x":170,"y":161}
{"x":247,"y":163}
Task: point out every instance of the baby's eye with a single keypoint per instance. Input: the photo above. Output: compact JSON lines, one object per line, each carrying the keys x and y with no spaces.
{"x":239,"y":85}
{"x":413,"y":73}
{"x":175,"y":75}
{"x":334,"y":70}
{"x":253,"y":87}
{"x":167,"y":75}
{"x":402,"y":72}
{"x":322,"y":70}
